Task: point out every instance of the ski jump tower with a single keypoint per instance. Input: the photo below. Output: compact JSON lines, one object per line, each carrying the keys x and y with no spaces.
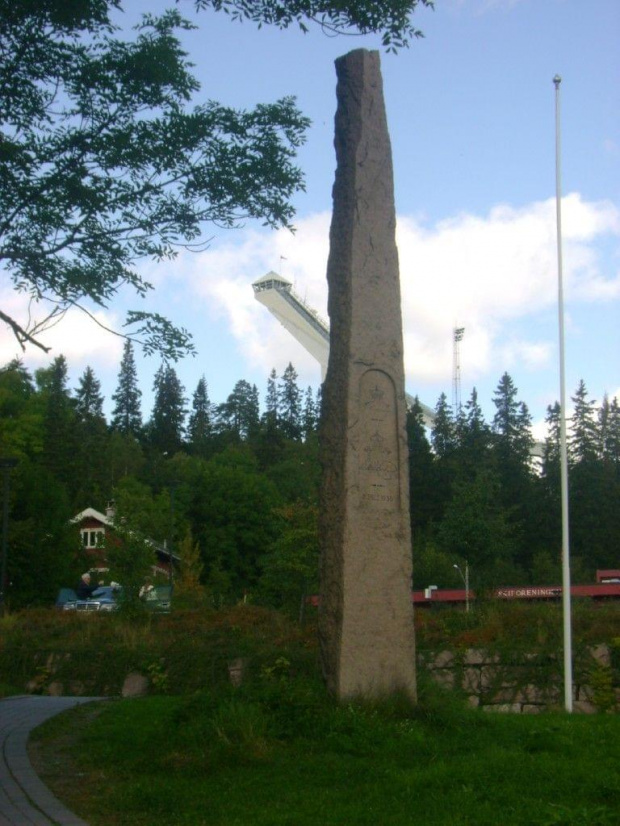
{"x":304,"y":323}
{"x":301,"y":321}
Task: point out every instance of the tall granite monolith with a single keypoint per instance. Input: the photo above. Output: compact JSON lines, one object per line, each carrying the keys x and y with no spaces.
{"x":365,"y":615}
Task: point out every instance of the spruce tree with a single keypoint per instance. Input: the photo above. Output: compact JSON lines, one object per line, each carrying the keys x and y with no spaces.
{"x":126,"y":416}
{"x":166,"y":427}
{"x":200,"y":425}
{"x":551,"y":450}
{"x":93,"y":458}
{"x":59,"y":425}
{"x":239,"y":414}
{"x":270,"y":418}
{"x":609,"y":431}
{"x":310,"y":415}
{"x":511,"y":425}
{"x":443,"y":436}
{"x":289,"y":404}
{"x":583,"y":438}
{"x":474,"y":436}
{"x":512,"y":447}
{"x":422,"y":490}
{"x":88,"y":398}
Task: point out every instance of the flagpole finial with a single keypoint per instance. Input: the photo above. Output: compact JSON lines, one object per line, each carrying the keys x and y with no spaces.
{"x":557,"y":80}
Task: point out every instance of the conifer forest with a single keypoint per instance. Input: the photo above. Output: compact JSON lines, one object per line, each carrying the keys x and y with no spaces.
{"x":232,"y":485}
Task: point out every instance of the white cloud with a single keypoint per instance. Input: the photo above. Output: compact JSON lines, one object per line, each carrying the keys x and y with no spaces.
{"x":222,"y":278}
{"x":494,"y":274}
{"x":479,"y":272}
{"x":76,"y":336}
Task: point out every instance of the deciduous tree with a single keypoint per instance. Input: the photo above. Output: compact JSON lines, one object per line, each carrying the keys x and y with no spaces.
{"x":104,"y":163}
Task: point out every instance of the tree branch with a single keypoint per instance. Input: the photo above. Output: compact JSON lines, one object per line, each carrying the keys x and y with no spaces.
{"x":22,"y":335}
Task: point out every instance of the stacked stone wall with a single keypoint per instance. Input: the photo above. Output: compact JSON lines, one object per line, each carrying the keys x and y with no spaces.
{"x":526,"y":682}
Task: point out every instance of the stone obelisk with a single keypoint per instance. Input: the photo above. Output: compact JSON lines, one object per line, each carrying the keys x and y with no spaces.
{"x":366,"y":614}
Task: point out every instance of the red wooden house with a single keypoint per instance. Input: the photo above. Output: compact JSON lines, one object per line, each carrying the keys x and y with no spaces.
{"x":96,"y":529}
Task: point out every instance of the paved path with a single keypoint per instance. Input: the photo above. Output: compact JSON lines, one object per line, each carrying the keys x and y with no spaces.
{"x":24,"y":799}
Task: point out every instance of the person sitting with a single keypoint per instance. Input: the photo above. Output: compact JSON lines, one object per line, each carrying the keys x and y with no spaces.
{"x":147,"y":591}
{"x":84,"y":588}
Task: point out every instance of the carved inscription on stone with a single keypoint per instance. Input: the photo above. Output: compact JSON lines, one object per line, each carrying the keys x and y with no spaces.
{"x":378,"y":470}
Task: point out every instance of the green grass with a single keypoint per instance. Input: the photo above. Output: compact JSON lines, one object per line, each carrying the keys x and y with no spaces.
{"x":278,"y":752}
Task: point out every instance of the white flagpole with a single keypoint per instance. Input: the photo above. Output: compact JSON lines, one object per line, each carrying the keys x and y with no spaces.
{"x":566,"y":601}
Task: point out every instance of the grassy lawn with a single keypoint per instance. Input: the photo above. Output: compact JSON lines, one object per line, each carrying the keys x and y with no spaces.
{"x":277,"y":751}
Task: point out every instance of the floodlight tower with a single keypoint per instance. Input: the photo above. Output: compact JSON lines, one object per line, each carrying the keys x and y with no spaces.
{"x":459,"y":332}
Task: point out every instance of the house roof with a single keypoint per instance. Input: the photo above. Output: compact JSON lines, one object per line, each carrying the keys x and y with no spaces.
{"x":91,"y":513}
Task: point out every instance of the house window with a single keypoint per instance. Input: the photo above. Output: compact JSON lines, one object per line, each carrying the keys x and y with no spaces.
{"x":91,"y":539}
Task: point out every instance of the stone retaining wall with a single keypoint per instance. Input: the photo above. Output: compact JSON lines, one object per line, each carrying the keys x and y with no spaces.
{"x":529,"y":683}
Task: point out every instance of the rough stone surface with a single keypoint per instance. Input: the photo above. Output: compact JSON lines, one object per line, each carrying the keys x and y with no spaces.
{"x":602,"y":654}
{"x":444,"y":677}
{"x":443,"y":660}
{"x":236,"y":671}
{"x":366,"y":614}
{"x":504,"y":708}
{"x":135,"y":685}
{"x":584,"y":707}
{"x":470,"y":681}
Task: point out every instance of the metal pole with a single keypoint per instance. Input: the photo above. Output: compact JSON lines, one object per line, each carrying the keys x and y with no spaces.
{"x":465,"y":578}
{"x":566,"y":601}
{"x":466,"y":587}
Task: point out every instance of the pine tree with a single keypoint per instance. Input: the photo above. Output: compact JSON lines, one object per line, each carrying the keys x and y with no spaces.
{"x":289,"y":404}
{"x":166,"y":427}
{"x":200,"y":425}
{"x":126,"y":416}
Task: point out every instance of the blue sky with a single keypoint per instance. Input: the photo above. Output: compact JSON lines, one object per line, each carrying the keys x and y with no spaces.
{"x":471,"y":116}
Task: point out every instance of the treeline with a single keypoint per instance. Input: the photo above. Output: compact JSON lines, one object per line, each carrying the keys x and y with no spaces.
{"x":225,"y":477}
{"x":486,"y":493}
{"x":233,"y":486}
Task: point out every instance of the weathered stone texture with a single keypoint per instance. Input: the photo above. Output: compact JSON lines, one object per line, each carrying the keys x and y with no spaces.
{"x":366,"y":615}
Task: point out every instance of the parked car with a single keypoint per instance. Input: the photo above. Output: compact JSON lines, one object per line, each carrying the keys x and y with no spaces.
{"x":108,"y":598}
{"x":105,"y":598}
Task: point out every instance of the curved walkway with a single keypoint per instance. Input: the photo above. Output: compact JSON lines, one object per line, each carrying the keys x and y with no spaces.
{"x":24,"y":799}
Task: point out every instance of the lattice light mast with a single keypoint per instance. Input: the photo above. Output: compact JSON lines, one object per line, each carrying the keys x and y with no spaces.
{"x":459,"y":332}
